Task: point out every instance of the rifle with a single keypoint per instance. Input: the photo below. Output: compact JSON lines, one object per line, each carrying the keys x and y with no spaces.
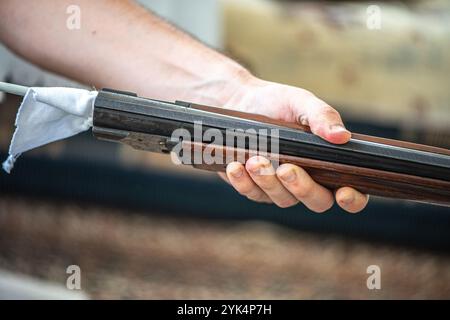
{"x":373,"y":165}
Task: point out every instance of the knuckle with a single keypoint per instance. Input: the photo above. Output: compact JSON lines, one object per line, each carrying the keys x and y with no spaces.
{"x":329,"y":112}
{"x":305,"y":93}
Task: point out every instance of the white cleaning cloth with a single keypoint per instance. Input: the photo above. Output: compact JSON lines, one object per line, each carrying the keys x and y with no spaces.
{"x":47,"y":115}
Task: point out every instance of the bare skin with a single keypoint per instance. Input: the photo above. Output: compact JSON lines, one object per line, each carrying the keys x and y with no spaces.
{"x":122,"y":45}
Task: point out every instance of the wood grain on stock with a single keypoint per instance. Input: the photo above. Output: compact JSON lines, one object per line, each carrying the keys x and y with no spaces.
{"x":334,"y":175}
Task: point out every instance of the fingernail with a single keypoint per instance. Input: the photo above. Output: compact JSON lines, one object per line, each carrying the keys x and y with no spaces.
{"x":303,"y":120}
{"x":261,"y":166}
{"x":256,"y":171}
{"x":289,"y":176}
{"x":338,"y":128}
{"x":263,"y":161}
{"x":237,"y":173}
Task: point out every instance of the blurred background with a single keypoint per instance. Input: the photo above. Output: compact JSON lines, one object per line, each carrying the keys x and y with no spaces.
{"x":139,"y":227}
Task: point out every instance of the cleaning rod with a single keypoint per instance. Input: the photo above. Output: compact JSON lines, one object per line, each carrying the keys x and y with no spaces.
{"x":13,"y":88}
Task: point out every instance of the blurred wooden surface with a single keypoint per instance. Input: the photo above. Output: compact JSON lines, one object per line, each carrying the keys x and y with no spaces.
{"x":127,"y":255}
{"x":397,"y":74}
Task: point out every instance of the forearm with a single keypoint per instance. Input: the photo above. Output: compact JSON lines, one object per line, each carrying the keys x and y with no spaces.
{"x":119,"y":45}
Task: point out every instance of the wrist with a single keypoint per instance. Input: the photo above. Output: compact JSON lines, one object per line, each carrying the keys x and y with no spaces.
{"x":222,"y":87}
{"x":235,"y":84}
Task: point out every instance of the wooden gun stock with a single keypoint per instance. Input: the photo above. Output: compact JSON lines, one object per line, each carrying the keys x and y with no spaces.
{"x":335,"y":175}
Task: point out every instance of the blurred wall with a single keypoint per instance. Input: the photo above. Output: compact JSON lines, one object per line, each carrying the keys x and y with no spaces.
{"x":202,"y":18}
{"x":395,"y":73}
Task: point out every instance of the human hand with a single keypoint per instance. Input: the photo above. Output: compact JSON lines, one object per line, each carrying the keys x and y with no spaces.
{"x":289,"y":184}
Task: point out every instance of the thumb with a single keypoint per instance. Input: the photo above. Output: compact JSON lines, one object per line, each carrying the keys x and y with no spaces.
{"x":323,"y":120}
